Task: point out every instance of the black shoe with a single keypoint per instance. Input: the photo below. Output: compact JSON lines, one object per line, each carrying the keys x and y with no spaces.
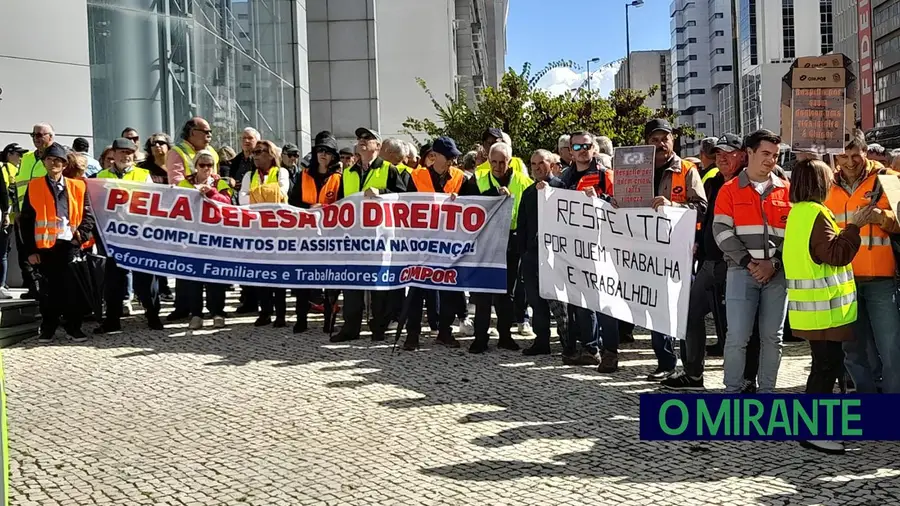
{"x":660,"y":374}
{"x":682,"y":381}
{"x":245,"y":309}
{"x":154,"y":323}
{"x":478,"y":347}
{"x":509,"y":344}
{"x":262,"y":321}
{"x":749,"y":387}
{"x":571,"y":358}
{"x":535,"y":350}
{"x":77,"y":336}
{"x":343,"y":337}
{"x":45,"y":337}
{"x":411,"y":343}
{"x":377,"y":338}
{"x":107,"y":327}
{"x":715,"y":350}
{"x":447,"y":340}
{"x":279,"y":322}
{"x":609,"y":363}
{"x":174,"y":316}
{"x":328,"y":328}
{"x":30,"y":294}
{"x":300,"y":327}
{"x":626,"y":338}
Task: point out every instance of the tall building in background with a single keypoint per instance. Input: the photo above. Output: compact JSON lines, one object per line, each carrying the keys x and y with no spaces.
{"x":885,"y":40}
{"x":772,"y":34}
{"x":648,"y":68}
{"x":846,"y":31}
{"x":495,"y":35}
{"x":702,"y":68}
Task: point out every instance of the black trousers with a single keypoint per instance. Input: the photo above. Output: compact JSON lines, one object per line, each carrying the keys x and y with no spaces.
{"x":27,"y":281}
{"x":215,"y":298}
{"x":708,"y":275}
{"x":249,"y":296}
{"x":58,"y":287}
{"x":540,"y":318}
{"x":503,"y":303}
{"x":146,"y":288}
{"x":182,"y":296}
{"x":446,"y":313}
{"x":827,"y":366}
{"x":354,"y":305}
{"x":272,"y":298}
{"x":303,"y":297}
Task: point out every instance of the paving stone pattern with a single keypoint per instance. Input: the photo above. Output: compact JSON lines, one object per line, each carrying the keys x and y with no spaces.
{"x":246,"y":416}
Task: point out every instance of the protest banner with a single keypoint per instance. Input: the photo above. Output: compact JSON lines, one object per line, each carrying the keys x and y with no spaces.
{"x":818,"y":104}
{"x":631,"y":264}
{"x":391,"y":241}
{"x":633,"y":181}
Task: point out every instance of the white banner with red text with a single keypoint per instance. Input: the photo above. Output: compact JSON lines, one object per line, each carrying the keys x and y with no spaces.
{"x":380,"y":243}
{"x":632,"y":264}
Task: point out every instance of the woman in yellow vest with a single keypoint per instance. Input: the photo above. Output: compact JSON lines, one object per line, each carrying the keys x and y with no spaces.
{"x":315,"y":187}
{"x":10,"y":158}
{"x":820,"y":284}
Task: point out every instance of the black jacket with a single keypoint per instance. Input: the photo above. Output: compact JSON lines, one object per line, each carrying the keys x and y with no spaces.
{"x":707,"y":249}
{"x":527,"y":229}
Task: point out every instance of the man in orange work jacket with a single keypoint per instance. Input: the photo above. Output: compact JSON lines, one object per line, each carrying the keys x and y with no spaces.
{"x":877,"y":327}
{"x":56,"y":219}
{"x":440,"y":176}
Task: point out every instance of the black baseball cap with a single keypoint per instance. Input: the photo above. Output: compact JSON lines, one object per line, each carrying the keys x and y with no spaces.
{"x":729,"y":143}
{"x":290,"y":149}
{"x":14,"y":148}
{"x":346,"y":152}
{"x":496,"y":133}
{"x":655,"y":125}
{"x":123,"y":143}
{"x":81,"y":145}
{"x":362,"y":131}
{"x":445,"y":146}
{"x":57,"y":150}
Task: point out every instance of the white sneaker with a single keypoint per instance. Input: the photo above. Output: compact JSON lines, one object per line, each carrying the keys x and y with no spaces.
{"x":5,"y":294}
{"x":825,"y":446}
{"x":525,"y":329}
{"x":466,"y":328}
{"x":126,"y":309}
{"x":196,"y":323}
{"x":219,"y":322}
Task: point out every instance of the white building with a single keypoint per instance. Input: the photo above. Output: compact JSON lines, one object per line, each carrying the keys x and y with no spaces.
{"x":702,"y":68}
{"x":648,"y":69}
{"x":772,"y":34}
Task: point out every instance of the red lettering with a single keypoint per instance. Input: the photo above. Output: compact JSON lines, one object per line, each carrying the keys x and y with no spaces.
{"x":451,"y":211}
{"x":210,"y":214}
{"x":474,"y":218}
{"x":373,"y":214}
{"x":268,"y":219}
{"x":182,"y":209}
{"x":401,"y":215}
{"x":117,"y":197}
{"x":419,"y":214}
{"x":347,"y":215}
{"x":154,"y":206}
{"x":288,"y":218}
{"x":230,"y":216}
{"x":451,"y":277}
{"x":139,"y":203}
{"x":306,"y":220}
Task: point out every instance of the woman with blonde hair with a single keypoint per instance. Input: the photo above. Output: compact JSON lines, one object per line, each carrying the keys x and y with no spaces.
{"x":107,"y":159}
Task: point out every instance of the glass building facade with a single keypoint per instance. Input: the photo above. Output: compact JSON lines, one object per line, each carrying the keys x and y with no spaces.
{"x":156,"y":63}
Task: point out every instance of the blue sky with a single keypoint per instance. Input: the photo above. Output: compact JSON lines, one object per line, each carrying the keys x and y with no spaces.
{"x":541,"y":31}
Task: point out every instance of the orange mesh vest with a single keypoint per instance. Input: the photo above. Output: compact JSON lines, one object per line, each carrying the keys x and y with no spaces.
{"x":422,"y":178}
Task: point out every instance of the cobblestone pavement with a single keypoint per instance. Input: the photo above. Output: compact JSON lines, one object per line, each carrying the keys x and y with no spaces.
{"x":263,"y":417}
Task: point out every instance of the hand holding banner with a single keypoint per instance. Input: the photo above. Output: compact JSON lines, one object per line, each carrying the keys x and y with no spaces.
{"x":631,"y":264}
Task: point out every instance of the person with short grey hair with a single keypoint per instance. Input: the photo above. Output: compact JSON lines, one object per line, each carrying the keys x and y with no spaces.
{"x":878,"y":153}
{"x":469,"y":162}
{"x":565,"y":152}
{"x":604,"y":144}
{"x":707,"y":154}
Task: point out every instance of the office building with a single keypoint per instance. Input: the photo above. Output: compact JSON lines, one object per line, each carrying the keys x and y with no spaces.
{"x":702,"y":68}
{"x":648,"y":69}
{"x":885,"y":29}
{"x":289,"y":68}
{"x":772,"y":34}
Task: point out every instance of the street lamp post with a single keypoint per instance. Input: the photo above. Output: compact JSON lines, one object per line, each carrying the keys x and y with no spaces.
{"x":633,"y":3}
{"x":592,"y":60}
{"x":713,"y":118}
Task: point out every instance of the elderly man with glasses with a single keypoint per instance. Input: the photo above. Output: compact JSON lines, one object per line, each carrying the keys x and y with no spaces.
{"x":196,"y":135}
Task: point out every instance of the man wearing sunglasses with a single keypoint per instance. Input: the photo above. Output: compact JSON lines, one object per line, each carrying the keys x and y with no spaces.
{"x":373,"y":176}
{"x":132,"y":135}
{"x":196,"y":135}
{"x":31,"y":167}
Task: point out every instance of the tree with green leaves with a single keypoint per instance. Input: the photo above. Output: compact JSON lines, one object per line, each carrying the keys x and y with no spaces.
{"x":534,"y":118}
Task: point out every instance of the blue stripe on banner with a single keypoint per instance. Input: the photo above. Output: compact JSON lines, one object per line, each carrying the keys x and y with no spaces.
{"x":870,"y":417}
{"x":339,"y":276}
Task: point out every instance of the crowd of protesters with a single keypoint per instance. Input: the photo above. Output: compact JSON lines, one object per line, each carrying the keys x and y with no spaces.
{"x":810,"y":251}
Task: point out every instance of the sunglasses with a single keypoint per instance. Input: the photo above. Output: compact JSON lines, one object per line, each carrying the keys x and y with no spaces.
{"x":205,"y":165}
{"x":365,"y":138}
{"x":579,"y":147}
{"x":160,"y":143}
{"x":133,"y":139}
{"x":260,"y":152}
{"x":207,"y":132}
{"x":322,"y":150}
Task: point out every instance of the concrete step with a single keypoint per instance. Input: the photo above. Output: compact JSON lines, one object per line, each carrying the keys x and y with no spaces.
{"x":17,"y":312}
{"x":12,"y":335}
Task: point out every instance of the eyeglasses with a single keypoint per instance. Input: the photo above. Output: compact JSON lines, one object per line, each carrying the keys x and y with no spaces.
{"x":133,"y":139}
{"x":36,"y":135}
{"x":260,"y":152}
{"x":205,"y":165}
{"x":322,"y":150}
{"x":160,"y":143}
{"x":206,"y":132}
{"x":579,"y":147}
{"x":292,"y":155}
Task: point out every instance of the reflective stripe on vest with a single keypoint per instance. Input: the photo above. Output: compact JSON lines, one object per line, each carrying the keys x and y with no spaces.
{"x":422,"y":179}
{"x":876,"y":256}
{"x":711,"y":173}
{"x":518,"y":181}
{"x":820,"y":296}
{"x":46,"y":222}
{"x":271,"y":177}
{"x":376,"y":177}
{"x":327,"y":195}
{"x":135,"y":174}
{"x":187,"y":154}
{"x":678,"y":194}
{"x":29,"y":168}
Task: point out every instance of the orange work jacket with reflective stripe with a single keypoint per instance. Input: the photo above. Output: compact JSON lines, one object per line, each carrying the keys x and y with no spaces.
{"x":327,"y":195}
{"x":46,"y":222}
{"x":679,"y":183}
{"x":875,"y":257}
{"x":747,"y":221}
{"x":422,"y":179}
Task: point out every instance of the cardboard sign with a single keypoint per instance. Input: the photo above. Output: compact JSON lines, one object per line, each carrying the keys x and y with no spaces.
{"x":891,"y":185}
{"x":633,"y":180}
{"x":818,"y":104}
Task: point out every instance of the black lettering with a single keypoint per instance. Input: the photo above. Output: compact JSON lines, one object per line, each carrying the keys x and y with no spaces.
{"x":562,"y":207}
{"x":570,"y":273}
{"x":609,"y":215}
{"x":587,"y":211}
{"x":556,"y":243}
{"x":590,"y":279}
{"x":663,"y":236}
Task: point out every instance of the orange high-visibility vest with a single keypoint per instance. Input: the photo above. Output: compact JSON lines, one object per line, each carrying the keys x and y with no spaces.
{"x":422,"y":178}
{"x":875,"y":257}
{"x":328,"y":194}
{"x":602,"y":183}
{"x":679,"y":182}
{"x":46,"y":223}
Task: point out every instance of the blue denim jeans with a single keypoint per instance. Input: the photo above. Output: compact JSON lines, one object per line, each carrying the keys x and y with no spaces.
{"x":664,"y":348}
{"x":744,"y":296}
{"x":586,"y":333}
{"x":877,"y":330}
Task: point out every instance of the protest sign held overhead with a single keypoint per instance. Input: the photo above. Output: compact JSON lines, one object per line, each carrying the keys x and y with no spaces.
{"x":818,"y":104}
{"x":631,"y":264}
{"x":392,"y":241}
{"x":633,"y":167}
